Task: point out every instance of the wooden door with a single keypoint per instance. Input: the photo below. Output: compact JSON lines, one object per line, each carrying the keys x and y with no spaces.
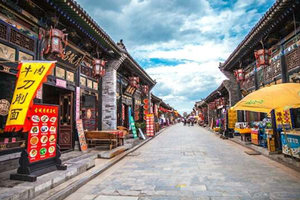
{"x":66,"y":121}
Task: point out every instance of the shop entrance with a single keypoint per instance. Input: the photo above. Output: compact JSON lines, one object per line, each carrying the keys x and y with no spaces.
{"x":63,"y":98}
{"x":125,"y":115}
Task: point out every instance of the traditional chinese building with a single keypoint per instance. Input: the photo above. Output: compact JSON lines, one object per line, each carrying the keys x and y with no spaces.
{"x":92,"y":75}
{"x":216,"y":105}
{"x":126,"y":89}
{"x":268,"y":55}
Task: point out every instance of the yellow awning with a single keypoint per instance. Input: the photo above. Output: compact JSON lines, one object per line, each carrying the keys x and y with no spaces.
{"x":280,"y":96}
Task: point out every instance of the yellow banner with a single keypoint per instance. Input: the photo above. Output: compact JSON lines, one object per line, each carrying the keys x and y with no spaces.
{"x":232,"y":118}
{"x":30,"y":77}
{"x":283,"y":117}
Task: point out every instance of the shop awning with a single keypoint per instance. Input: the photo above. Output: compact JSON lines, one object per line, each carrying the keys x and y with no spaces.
{"x":280,"y":96}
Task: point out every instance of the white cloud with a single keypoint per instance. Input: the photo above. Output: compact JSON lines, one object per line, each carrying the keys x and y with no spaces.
{"x":201,"y":33}
{"x":183,"y":84}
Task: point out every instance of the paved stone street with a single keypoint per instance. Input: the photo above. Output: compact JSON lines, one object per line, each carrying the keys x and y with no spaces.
{"x":192,"y":163}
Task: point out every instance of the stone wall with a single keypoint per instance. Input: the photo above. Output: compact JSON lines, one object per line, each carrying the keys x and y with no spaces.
{"x":233,"y":89}
{"x":109,"y":94}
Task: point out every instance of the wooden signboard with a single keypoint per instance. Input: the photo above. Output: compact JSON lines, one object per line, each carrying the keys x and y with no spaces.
{"x":81,"y":136}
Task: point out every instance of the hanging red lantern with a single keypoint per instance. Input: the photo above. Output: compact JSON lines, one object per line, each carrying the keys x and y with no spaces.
{"x":56,"y":42}
{"x":262,"y":57}
{"x":99,"y":67}
{"x":134,"y":81}
{"x":145,"y":89}
{"x":239,"y":74}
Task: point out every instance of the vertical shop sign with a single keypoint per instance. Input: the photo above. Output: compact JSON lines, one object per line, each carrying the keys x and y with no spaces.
{"x":232,"y":118}
{"x":132,"y":124}
{"x":150,"y":125}
{"x":82,"y":141}
{"x":30,"y":75}
{"x":77,"y":103}
{"x":123,"y":112}
{"x":42,"y":137}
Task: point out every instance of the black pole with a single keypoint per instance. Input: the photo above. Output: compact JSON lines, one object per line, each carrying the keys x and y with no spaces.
{"x":256,"y":78}
{"x":276,"y":135}
{"x":284,"y":76}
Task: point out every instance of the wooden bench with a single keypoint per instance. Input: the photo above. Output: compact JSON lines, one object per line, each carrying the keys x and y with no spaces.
{"x":96,"y":138}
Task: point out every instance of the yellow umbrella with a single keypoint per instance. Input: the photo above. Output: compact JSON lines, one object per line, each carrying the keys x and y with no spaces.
{"x":285,"y":95}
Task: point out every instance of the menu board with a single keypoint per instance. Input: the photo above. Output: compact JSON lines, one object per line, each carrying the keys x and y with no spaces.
{"x":80,"y":131}
{"x":42,"y":136}
{"x":150,"y":125}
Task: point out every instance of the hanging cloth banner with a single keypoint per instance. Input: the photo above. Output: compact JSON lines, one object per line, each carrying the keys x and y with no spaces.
{"x":30,"y":77}
{"x":150,"y":125}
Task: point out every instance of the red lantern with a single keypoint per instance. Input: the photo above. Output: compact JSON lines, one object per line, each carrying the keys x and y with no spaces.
{"x":145,"y":101}
{"x":99,"y":68}
{"x":134,"y":81}
{"x":239,"y":74}
{"x":56,"y":42}
{"x":262,"y":57}
{"x":145,"y":89}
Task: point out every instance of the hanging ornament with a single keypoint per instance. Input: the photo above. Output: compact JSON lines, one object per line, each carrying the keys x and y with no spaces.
{"x":262,"y":57}
{"x":56,"y":42}
{"x":134,"y":81}
{"x":99,"y":67}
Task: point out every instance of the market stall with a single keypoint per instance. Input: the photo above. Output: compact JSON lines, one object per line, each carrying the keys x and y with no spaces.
{"x":281,"y":129}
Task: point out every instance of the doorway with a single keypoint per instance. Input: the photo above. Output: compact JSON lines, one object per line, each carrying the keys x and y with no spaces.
{"x":63,"y":98}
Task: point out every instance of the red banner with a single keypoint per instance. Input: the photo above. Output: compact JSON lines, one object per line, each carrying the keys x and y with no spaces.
{"x":150,"y":125}
{"x":42,"y":137}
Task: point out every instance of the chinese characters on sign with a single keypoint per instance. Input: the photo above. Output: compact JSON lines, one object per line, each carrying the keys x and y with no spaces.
{"x":82,"y":141}
{"x":283,"y":118}
{"x":42,"y":137}
{"x":30,"y":77}
{"x":150,"y":125}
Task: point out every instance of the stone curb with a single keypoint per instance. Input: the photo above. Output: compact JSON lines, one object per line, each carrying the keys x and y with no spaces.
{"x":65,"y":192}
{"x":288,"y":163}
{"x":272,"y":157}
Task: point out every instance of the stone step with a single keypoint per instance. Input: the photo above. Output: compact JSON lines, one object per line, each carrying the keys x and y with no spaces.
{"x":29,"y":190}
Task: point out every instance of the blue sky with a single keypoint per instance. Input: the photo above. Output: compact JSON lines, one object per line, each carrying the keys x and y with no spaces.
{"x":179,"y":42}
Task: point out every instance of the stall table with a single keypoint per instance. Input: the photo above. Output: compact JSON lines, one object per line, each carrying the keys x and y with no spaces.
{"x":245,"y":134}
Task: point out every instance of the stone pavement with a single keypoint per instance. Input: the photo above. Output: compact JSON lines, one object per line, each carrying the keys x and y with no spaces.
{"x":192,"y":163}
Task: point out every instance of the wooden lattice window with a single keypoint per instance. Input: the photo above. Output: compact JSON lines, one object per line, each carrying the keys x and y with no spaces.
{"x":3,"y":31}
{"x":293,"y":59}
{"x":21,"y":40}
